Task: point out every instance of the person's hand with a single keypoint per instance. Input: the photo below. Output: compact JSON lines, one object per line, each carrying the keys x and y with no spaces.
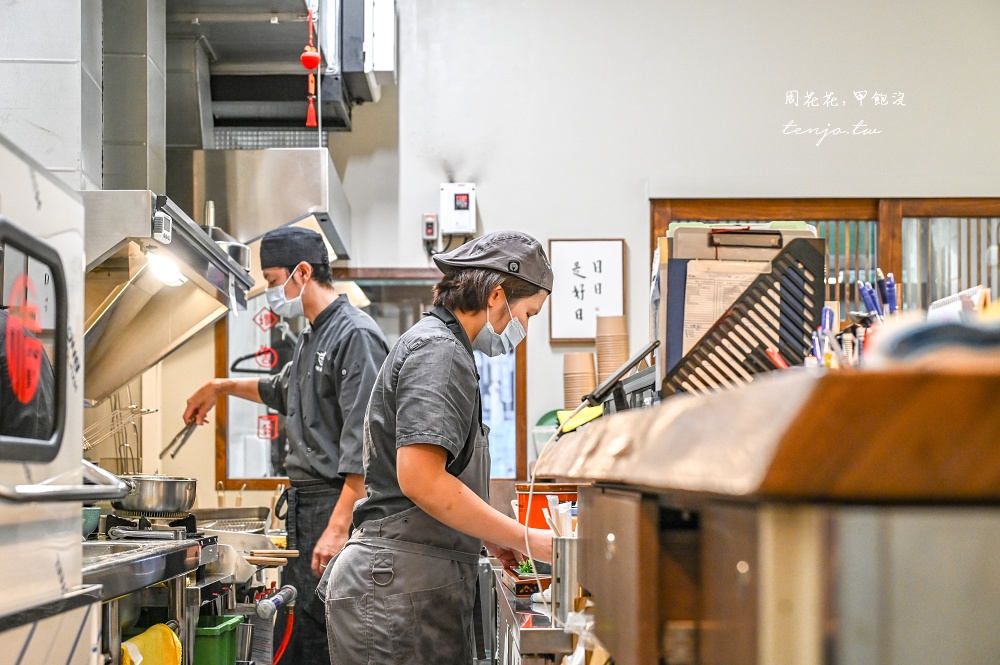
{"x":200,"y":403}
{"x":541,"y":544}
{"x":509,"y":558}
{"x":327,"y":547}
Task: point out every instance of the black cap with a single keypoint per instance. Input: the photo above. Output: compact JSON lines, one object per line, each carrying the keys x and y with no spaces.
{"x":289,"y":246}
{"x":510,"y":252}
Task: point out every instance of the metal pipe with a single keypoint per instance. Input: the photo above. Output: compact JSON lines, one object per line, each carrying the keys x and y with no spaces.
{"x":319,"y":80}
{"x":175,"y":611}
{"x":109,"y":487}
{"x":111,"y":637}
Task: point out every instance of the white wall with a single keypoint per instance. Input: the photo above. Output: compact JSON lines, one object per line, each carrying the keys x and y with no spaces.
{"x":564,"y":113}
{"x":367,"y":160}
{"x":176,"y":378}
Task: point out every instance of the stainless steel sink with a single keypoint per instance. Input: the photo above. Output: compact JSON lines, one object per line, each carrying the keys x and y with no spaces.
{"x":124,"y":567}
{"x":94,"y":551}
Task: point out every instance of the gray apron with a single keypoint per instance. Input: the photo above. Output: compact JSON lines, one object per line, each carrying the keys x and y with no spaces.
{"x":403,"y":588}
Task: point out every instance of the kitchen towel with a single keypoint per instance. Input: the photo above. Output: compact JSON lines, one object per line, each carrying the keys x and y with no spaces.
{"x":156,"y":646}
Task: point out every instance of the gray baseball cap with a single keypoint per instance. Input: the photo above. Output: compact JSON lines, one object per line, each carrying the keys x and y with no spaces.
{"x":510,"y":252}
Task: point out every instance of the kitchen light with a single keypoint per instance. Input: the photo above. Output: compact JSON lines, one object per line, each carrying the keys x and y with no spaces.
{"x":353,"y":292}
{"x":164,"y":268}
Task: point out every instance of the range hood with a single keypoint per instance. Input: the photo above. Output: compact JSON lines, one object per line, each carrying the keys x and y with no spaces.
{"x":254,"y":191}
{"x":154,"y":279}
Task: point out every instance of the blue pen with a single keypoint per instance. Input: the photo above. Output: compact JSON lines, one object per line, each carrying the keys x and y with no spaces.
{"x":883,"y":291}
{"x":872,"y":299}
{"x":890,"y":287}
{"x":869,"y":299}
{"x":817,"y":347}
{"x":863,"y":296}
{"x":827,"y":318}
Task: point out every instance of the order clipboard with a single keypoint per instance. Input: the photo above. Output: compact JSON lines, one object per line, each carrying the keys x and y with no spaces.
{"x":779,"y":310}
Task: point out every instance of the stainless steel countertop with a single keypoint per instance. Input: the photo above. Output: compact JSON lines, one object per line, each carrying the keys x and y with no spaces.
{"x":138,"y":564}
{"x":534,"y":633}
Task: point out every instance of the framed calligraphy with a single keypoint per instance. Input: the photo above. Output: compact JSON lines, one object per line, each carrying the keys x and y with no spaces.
{"x":589,"y":280}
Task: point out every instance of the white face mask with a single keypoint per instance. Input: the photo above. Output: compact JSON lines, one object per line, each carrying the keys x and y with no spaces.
{"x":492,"y":344}
{"x":279,"y":302}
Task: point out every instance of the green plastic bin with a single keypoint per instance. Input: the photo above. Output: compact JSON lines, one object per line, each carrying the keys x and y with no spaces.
{"x":215,"y":640}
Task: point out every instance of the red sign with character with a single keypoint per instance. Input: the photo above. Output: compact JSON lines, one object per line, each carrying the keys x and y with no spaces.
{"x":24,"y":350}
{"x":267,"y":427}
{"x":266,"y":357}
{"x":265,"y":319}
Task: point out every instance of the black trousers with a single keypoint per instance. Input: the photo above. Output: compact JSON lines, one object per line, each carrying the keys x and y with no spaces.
{"x":309,"y":511}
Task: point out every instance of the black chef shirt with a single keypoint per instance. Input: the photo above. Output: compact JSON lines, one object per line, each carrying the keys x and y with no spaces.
{"x":323,"y":392}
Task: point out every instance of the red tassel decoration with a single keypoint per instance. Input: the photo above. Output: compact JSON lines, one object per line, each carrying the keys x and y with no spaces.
{"x":310,"y":59}
{"x":311,"y":114}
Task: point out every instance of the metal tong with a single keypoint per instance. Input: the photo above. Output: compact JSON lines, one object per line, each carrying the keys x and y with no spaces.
{"x":179,"y":440}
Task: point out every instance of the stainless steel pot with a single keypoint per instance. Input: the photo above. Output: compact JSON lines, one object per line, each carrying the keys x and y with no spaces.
{"x":159,"y":494}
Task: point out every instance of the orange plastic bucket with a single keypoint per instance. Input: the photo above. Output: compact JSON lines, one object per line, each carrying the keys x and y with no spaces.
{"x":540,"y":500}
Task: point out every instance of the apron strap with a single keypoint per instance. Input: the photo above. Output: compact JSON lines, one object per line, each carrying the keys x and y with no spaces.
{"x":415,"y":548}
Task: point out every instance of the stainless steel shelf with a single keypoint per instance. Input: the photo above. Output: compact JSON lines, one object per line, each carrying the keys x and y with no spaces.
{"x":528,"y":625}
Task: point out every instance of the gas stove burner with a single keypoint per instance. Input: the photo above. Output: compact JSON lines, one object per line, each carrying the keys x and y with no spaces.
{"x":145,"y":521}
{"x":150,"y":514}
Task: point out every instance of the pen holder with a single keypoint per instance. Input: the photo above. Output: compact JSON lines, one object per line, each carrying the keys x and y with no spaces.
{"x":565,"y":582}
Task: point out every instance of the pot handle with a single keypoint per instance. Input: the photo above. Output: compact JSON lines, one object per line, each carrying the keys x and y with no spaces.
{"x":109,"y":486}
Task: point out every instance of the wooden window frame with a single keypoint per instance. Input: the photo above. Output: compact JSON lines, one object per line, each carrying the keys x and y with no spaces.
{"x":348,"y":274}
{"x":888,"y":213}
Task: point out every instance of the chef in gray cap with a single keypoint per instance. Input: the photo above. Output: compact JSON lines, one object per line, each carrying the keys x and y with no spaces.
{"x":404,"y":587}
{"x":323,"y":393}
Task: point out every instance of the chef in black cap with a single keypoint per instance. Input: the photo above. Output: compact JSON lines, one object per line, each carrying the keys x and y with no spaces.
{"x":404,"y":588}
{"x":323,"y":393}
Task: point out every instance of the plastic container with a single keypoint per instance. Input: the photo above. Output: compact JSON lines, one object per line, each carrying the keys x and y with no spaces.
{"x":539,"y":501}
{"x":215,"y":640}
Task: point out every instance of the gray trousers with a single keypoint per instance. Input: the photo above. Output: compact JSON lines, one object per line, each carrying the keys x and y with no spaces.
{"x":386,"y":606}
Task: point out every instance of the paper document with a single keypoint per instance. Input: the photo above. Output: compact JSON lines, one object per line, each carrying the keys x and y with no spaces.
{"x":955,"y":308}
{"x":712,"y":287}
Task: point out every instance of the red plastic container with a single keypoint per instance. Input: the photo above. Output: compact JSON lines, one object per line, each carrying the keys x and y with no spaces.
{"x":540,"y":500}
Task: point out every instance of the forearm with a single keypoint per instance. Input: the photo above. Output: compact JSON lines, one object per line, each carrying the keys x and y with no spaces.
{"x":343,"y":512}
{"x":244,"y":388}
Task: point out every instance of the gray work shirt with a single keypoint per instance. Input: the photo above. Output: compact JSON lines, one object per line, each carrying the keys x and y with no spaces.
{"x":426,"y":392}
{"x":323,"y":392}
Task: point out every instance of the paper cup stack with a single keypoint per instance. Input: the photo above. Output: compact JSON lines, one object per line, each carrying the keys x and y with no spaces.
{"x":578,"y":378}
{"x":612,"y":345}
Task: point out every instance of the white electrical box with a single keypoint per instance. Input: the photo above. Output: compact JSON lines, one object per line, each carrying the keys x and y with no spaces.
{"x":457,"y":214}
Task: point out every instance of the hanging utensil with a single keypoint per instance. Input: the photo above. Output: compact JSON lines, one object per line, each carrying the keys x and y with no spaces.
{"x":278,"y":491}
{"x":178,"y":441}
{"x":220,"y":493}
{"x":239,"y":497}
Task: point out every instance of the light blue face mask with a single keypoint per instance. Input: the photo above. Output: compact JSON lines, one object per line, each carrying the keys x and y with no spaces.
{"x":279,"y":302}
{"x":492,"y":344}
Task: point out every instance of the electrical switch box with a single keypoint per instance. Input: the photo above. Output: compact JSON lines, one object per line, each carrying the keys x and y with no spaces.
{"x":429,"y":227}
{"x":458,"y":208}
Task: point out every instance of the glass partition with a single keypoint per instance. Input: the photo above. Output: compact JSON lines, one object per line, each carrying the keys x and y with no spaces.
{"x":258,"y":343}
